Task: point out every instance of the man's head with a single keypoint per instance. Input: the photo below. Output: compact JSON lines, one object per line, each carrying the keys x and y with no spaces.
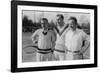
{"x":44,"y":23}
{"x":72,"y":21}
{"x":60,"y":19}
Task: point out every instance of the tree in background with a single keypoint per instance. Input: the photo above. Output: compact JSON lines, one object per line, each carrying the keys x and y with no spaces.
{"x":28,"y":25}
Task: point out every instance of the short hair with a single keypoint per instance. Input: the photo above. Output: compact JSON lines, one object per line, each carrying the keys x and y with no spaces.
{"x":44,"y":19}
{"x":73,"y":18}
{"x":60,"y":15}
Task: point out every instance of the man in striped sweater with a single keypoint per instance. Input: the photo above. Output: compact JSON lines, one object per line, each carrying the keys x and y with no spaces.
{"x":60,"y":29}
{"x":46,"y":41}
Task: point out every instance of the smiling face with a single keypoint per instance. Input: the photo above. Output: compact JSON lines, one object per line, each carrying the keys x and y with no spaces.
{"x":72,"y":24}
{"x":44,"y":24}
{"x":59,"y":20}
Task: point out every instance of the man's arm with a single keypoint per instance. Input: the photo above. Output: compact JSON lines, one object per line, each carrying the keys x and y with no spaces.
{"x":54,"y":37}
{"x":55,"y":29}
{"x":35,"y":36}
{"x":86,"y":42}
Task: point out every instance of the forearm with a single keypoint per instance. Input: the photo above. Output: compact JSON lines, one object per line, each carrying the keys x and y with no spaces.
{"x":35,"y":39}
{"x":84,"y":48}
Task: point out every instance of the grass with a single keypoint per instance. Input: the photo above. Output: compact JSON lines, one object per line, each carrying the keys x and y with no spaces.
{"x":26,"y":40}
{"x":31,"y":57}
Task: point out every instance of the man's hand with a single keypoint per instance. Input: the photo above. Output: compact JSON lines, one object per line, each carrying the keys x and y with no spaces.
{"x":35,"y":42}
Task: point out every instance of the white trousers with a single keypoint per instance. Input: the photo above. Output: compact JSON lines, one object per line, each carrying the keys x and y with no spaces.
{"x":59,"y":55}
{"x":44,"y":57}
{"x":73,"y":56}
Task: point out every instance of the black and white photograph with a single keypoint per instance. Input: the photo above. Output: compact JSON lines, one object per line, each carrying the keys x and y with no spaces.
{"x":53,"y":36}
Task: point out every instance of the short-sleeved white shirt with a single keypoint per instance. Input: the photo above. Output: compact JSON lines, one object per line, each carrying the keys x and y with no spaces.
{"x":44,"y":41}
{"x":74,"y":40}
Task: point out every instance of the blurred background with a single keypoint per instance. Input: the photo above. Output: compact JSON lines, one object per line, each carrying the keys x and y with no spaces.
{"x":31,"y":22}
{"x":31,"y":19}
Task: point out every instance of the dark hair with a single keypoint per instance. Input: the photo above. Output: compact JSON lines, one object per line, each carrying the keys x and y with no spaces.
{"x":60,"y":15}
{"x":44,"y":19}
{"x":73,"y":18}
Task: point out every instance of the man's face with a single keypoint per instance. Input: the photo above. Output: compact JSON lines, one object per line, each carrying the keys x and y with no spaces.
{"x":72,"y":24}
{"x":44,"y":23}
{"x":59,"y":20}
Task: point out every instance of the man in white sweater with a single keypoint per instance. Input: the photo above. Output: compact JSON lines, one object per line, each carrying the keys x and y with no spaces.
{"x":46,"y":41}
{"x":60,"y":29}
{"x":74,"y":41}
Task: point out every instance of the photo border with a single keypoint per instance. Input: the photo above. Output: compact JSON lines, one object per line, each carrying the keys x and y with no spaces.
{"x":14,"y":33}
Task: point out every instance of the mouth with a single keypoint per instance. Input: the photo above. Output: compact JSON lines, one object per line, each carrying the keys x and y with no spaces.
{"x":71,"y":27}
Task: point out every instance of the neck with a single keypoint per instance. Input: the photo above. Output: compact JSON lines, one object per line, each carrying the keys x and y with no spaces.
{"x":61,"y":25}
{"x":74,"y":29}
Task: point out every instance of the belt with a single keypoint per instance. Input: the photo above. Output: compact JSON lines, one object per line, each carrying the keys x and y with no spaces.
{"x":73,"y":51}
{"x":59,"y":50}
{"x":62,"y":51}
{"x":44,"y":51}
{"x":49,"y":49}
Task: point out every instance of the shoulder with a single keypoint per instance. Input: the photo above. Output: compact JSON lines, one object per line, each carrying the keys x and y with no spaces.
{"x":66,"y":25}
{"x":53,"y":33}
{"x":82,"y":33}
{"x":37,"y":31}
{"x":56,"y":29}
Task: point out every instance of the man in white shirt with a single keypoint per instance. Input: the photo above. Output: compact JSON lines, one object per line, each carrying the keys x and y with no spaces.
{"x":60,"y":29}
{"x":46,"y":41}
{"x":74,"y":41}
